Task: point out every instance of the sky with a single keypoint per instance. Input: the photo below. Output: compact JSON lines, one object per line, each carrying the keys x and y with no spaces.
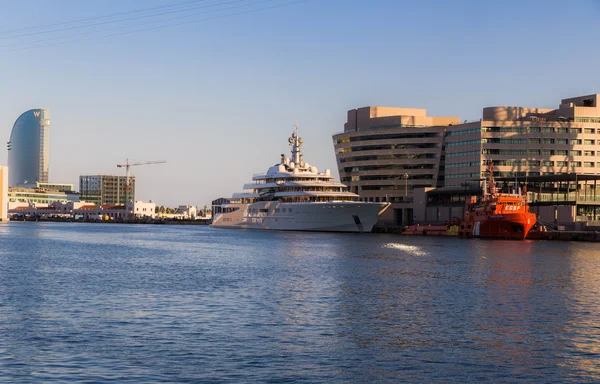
{"x":214,"y":87}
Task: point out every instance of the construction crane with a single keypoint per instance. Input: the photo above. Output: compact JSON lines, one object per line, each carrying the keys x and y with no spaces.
{"x":127,"y":165}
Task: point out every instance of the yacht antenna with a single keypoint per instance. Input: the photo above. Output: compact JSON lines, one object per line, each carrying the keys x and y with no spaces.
{"x":296,"y":144}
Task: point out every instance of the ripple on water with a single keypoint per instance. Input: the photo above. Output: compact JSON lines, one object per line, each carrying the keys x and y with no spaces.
{"x":124,"y":303}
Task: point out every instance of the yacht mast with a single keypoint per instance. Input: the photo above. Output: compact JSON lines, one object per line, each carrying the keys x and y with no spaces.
{"x":296,"y":144}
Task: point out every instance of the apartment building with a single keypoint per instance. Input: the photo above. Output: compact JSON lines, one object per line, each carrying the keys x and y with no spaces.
{"x":106,"y":189}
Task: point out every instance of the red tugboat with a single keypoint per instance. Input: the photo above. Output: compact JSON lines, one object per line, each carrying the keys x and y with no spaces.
{"x":497,"y":215}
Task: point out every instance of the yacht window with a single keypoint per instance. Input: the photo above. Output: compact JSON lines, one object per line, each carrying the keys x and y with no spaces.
{"x":283,"y":209}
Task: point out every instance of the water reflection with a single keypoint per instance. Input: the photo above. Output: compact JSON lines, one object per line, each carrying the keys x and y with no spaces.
{"x":156,"y":303}
{"x":581,"y":325}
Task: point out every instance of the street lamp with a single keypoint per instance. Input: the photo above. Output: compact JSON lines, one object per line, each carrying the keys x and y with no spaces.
{"x":405,"y":186}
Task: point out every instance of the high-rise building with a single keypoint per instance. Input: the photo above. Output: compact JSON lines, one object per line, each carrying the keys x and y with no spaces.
{"x":3,"y":192}
{"x":106,"y":189}
{"x":29,"y":148}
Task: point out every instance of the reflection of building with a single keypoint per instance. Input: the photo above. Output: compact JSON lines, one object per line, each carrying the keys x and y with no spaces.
{"x":105,"y":189}
{"x":3,"y":192}
{"x":386,"y":154}
{"x":29,"y":148}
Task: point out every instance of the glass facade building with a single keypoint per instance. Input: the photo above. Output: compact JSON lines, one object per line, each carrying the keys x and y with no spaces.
{"x":29,"y":148}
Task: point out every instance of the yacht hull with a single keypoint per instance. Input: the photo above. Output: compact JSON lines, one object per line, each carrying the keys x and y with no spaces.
{"x":313,"y":216}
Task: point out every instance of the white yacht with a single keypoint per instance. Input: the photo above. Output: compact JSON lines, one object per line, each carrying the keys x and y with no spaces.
{"x":294,"y":196}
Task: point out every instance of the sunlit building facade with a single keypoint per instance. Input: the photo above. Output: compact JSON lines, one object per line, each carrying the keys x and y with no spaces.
{"x":29,"y":148}
{"x":389,"y":154}
{"x":385,"y":153}
{"x":523,"y":142}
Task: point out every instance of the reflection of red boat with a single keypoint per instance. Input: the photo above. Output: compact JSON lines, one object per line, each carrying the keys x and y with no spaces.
{"x":497,"y":215}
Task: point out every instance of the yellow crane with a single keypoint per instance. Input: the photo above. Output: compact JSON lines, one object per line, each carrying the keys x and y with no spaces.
{"x":127,"y":165}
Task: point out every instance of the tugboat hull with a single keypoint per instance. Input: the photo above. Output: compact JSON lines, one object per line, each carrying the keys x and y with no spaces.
{"x":512,"y":226}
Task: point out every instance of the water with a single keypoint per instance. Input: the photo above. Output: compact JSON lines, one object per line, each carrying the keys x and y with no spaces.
{"x":125,"y":303}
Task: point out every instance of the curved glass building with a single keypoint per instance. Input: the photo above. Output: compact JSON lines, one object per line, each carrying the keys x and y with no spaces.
{"x":29,"y":148}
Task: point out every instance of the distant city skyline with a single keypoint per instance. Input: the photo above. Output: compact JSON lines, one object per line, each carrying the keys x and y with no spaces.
{"x":217,"y":98}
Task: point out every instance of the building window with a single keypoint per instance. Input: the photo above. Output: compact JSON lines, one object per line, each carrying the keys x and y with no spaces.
{"x":588,"y":142}
{"x":575,"y":153}
{"x":588,"y":130}
{"x":548,"y":130}
{"x":588,"y":164}
{"x":535,"y":141}
{"x":575,"y":141}
{"x":534,"y":151}
{"x":548,"y":163}
{"x":575,"y":130}
{"x":548,"y":141}
{"x":548,"y":151}
{"x":589,"y":153}
{"x":563,"y":130}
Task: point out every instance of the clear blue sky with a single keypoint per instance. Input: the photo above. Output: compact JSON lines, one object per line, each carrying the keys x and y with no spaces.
{"x":217,"y":99}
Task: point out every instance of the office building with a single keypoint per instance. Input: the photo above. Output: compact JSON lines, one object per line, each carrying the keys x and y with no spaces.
{"x":522,"y":142}
{"x":40,"y":196}
{"x":384,"y":153}
{"x":106,"y":189}
{"x":29,"y":148}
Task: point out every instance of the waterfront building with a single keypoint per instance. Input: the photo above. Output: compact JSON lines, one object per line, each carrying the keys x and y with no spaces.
{"x":188,"y":212}
{"x":141,"y":209}
{"x":523,"y":142}
{"x":39,"y":195}
{"x":384,"y":153}
{"x":29,"y":148}
{"x":105,"y":189}
{"x":3,"y":193}
{"x":554,"y":153}
{"x":84,"y":210}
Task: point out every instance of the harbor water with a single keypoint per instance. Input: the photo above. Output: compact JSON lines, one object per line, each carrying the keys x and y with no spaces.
{"x":155,"y":303}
